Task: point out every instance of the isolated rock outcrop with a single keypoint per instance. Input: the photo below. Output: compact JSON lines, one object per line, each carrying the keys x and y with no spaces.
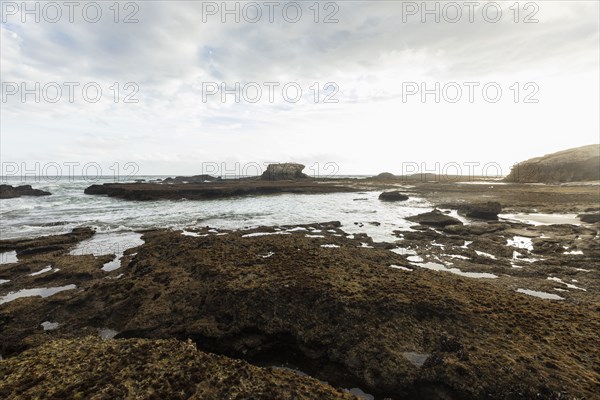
{"x":434,"y":218}
{"x":393,"y":196}
{"x":10,"y":192}
{"x":285,"y":171}
{"x":572,"y":165}
{"x":487,"y":210}
{"x":385,"y":176}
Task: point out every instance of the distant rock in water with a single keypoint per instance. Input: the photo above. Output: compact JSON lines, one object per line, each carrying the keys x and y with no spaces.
{"x":192,"y":179}
{"x":434,"y":218}
{"x":384,"y":176}
{"x":573,"y":165}
{"x":285,"y":171}
{"x":10,"y":192}
{"x":393,"y":196}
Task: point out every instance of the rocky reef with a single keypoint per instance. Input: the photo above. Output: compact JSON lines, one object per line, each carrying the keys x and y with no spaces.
{"x":213,"y":190}
{"x":10,"y":192}
{"x":572,"y":165}
{"x":338,"y":307}
{"x":91,"y":368}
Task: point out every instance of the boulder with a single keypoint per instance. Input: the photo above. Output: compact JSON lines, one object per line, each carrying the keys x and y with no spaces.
{"x":393,"y":196}
{"x":589,"y":218}
{"x":572,"y":165}
{"x":9,"y":192}
{"x":285,"y":171}
{"x":488,"y":210}
{"x":434,"y":218}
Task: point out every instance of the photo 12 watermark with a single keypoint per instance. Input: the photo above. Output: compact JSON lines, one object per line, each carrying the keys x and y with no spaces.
{"x":69,"y":92}
{"x":271,"y":92}
{"x":67,"y":170}
{"x":252,"y":12}
{"x":453,"y":12}
{"x":240,"y":170}
{"x":450,"y":171}
{"x":53,"y":12}
{"x":469,"y":92}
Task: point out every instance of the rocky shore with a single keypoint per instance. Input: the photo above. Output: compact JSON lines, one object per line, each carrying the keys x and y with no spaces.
{"x":443,"y":313}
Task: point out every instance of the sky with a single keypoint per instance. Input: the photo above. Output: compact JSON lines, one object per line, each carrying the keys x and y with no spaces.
{"x":361,"y":80}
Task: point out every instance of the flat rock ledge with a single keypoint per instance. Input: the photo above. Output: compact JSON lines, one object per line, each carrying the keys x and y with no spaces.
{"x":434,"y":218}
{"x":215,"y":190}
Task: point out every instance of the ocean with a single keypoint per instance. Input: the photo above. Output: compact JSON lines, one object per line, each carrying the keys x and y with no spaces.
{"x":68,"y":207}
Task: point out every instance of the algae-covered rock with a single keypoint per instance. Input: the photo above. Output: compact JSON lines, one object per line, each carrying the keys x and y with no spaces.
{"x":90,"y":368}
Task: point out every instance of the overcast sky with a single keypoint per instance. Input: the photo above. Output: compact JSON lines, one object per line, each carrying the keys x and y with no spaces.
{"x":372,"y":53}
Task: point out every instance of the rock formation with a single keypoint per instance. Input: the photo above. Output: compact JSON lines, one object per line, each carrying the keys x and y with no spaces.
{"x":394,"y":195}
{"x":9,"y":192}
{"x":384,"y":176}
{"x":285,"y":171}
{"x":572,"y":165}
{"x":434,"y":218}
{"x":487,"y":210}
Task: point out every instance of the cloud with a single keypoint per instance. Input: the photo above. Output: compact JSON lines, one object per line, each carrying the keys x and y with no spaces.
{"x":369,"y":54}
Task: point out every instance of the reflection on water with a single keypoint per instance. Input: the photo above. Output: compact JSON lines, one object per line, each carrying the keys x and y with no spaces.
{"x":416,"y":359}
{"x":107,"y":333}
{"x":542,"y":219}
{"x":109,"y":243}
{"x":8,"y":257}
{"x":442,"y":267}
{"x":41,"y":292}
{"x":541,"y":295}
{"x":50,"y":326}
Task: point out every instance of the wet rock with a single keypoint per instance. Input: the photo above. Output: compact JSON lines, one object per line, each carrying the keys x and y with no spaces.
{"x":488,"y":210}
{"x":141,"y":368}
{"x":434,"y":218}
{"x":589,"y":218}
{"x":393,"y":196}
{"x":285,"y":171}
{"x":10,"y":192}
